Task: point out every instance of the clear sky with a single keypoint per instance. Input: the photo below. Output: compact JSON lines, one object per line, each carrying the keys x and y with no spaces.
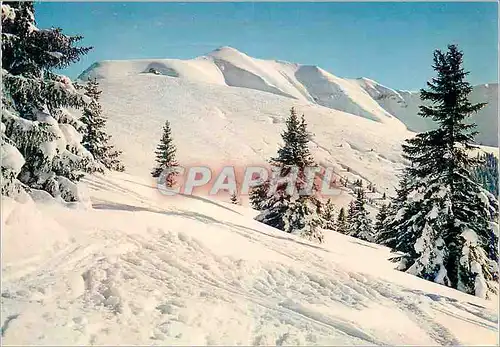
{"x":391,"y":43}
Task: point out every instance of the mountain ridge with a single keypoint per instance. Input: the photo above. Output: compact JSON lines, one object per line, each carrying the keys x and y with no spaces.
{"x":364,"y":97}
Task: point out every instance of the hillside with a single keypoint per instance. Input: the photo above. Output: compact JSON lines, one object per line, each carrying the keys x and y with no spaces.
{"x":140,"y":268}
{"x":129,"y":266}
{"x":366,"y":98}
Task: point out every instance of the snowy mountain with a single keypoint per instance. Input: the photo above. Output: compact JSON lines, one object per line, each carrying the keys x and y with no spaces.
{"x":227,"y":66}
{"x":128,"y":265}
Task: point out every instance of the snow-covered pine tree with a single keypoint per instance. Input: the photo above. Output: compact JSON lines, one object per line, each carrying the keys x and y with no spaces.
{"x":361,"y":222}
{"x":165,"y":156}
{"x":351,"y":212}
{"x":234,"y":199}
{"x":486,"y":172}
{"x":290,"y":212}
{"x":95,"y":138}
{"x":380,"y":227}
{"x":35,"y":119}
{"x":328,"y":215}
{"x":258,"y":195}
{"x":444,"y":211}
{"x":342,"y":226}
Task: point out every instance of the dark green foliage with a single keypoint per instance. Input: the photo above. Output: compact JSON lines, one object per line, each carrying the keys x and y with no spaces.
{"x":165,"y":156}
{"x":35,"y":100}
{"x":328,"y":215}
{"x":95,"y":138}
{"x":342,"y":226}
{"x":486,"y":172}
{"x":281,"y":208}
{"x":440,"y":219}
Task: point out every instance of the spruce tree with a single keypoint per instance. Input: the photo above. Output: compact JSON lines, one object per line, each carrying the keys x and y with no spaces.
{"x":342,"y":226}
{"x":443,"y":225}
{"x":361,"y":227}
{"x":486,"y":172}
{"x":380,"y":227}
{"x":258,"y":195}
{"x":351,"y":212}
{"x":328,"y":215}
{"x":291,"y":212}
{"x":165,"y":156}
{"x":234,"y":199}
{"x":35,"y":119}
{"x":95,"y":139}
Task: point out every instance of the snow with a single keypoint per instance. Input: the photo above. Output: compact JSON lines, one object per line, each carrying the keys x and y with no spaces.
{"x":129,"y":265}
{"x":142,"y":268}
{"x":213,"y":120}
{"x":405,"y":106}
{"x":363,"y":97}
{"x":11,"y":158}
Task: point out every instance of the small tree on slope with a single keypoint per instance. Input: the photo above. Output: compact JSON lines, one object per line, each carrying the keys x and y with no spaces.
{"x":351,"y":211}
{"x":342,"y":226}
{"x":95,"y":139}
{"x":361,"y":222}
{"x":289,"y":211}
{"x":165,"y":156}
{"x":380,"y":224}
{"x":328,"y":215}
{"x":234,"y":199}
{"x":444,"y":215}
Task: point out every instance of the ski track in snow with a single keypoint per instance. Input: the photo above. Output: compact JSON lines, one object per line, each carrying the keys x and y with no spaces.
{"x":139,"y":268}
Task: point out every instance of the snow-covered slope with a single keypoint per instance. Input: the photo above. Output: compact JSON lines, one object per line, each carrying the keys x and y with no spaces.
{"x":227,"y":66}
{"x":131,"y":266}
{"x":405,"y":106}
{"x":143,"y":269}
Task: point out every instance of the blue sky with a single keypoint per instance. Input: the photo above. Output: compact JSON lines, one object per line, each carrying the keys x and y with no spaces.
{"x":388,"y":42}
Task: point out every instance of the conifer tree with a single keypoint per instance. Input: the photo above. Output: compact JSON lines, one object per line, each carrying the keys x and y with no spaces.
{"x":380,"y":227}
{"x":35,"y":120}
{"x":258,"y":195}
{"x":165,"y":156}
{"x":486,"y":172}
{"x":444,"y":225}
{"x":351,"y":212}
{"x":361,"y":227}
{"x":95,"y":138}
{"x":342,"y":226}
{"x":234,"y":199}
{"x":328,"y":215}
{"x":292,"y":212}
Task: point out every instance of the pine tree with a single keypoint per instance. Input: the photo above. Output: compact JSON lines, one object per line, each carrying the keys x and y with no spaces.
{"x":291,"y":212}
{"x":165,"y":156}
{"x":35,"y":120}
{"x":444,"y":225}
{"x":234,"y":199}
{"x":95,"y":139}
{"x":328,"y":215}
{"x":258,"y":195}
{"x":351,"y":212}
{"x":486,"y":172}
{"x":381,"y":223}
{"x":342,"y":226}
{"x":361,"y":227}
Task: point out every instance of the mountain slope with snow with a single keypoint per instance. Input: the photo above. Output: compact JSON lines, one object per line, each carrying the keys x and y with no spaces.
{"x":227,"y":66}
{"x":128,"y":265}
{"x":405,"y":106}
{"x":141,"y":268}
